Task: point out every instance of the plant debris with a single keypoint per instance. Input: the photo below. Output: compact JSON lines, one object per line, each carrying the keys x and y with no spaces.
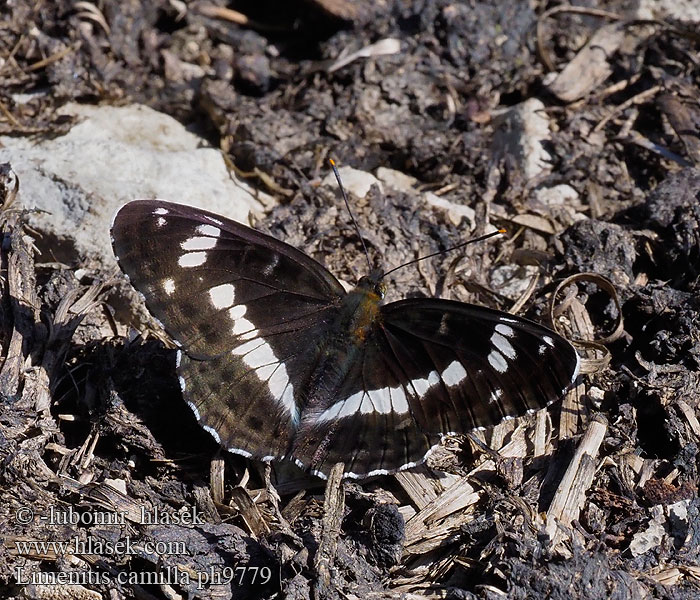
{"x":573,"y":127}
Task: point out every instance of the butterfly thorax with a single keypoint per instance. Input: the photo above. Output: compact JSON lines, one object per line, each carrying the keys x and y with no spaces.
{"x":358,"y":316}
{"x":361,"y":309}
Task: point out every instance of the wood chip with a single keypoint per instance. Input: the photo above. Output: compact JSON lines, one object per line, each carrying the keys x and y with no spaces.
{"x":569,"y":497}
{"x":421,"y":485}
{"x":256,"y":523}
{"x":333,"y":509}
{"x":456,"y":498}
{"x":590,"y":67}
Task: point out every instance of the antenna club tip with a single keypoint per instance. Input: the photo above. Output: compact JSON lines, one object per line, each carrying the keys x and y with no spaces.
{"x":330,"y":160}
{"x":501,"y":230}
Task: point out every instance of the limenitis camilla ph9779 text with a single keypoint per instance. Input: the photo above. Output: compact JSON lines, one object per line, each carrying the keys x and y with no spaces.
{"x":277,"y":361}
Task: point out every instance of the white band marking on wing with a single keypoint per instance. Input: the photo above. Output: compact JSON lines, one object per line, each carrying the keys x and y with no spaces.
{"x":454,"y":374}
{"x":222,"y":296}
{"x":498,"y":361}
{"x":503,"y":345}
{"x":192,"y":259}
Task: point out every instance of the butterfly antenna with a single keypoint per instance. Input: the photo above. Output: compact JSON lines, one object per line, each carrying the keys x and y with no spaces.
{"x":481,"y":238}
{"x":347,"y":205}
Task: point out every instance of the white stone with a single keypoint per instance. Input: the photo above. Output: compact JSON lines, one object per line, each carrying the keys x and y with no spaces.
{"x":558,"y":195}
{"x":682,"y":10}
{"x":355,"y":181}
{"x":512,"y":280}
{"x":405,"y":183}
{"x":111,"y":156}
{"x":521,"y":132}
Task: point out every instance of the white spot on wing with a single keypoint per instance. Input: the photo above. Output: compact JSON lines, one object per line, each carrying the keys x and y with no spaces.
{"x":160,"y":221}
{"x":287,"y":401}
{"x":192,"y":259}
{"x":194,"y":410}
{"x":212,"y":219}
{"x":222,"y":295}
{"x":503,"y":345}
{"x":278,"y":381}
{"x":505,"y":330}
{"x":383,"y":401}
{"x":236,"y":312}
{"x":548,"y":340}
{"x":208,"y":230}
{"x":423,"y":385}
{"x":578,"y":366}
{"x":398,"y":400}
{"x":169,"y":286}
{"x":495,"y":395}
{"x":244,"y":328}
{"x":270,"y":267}
{"x":264,"y":373}
{"x":454,"y":374}
{"x":498,"y":361}
{"x":258,"y":354}
{"x":212,"y":432}
{"x":343,"y":408}
{"x":240,"y":451}
{"x":198,"y":243}
{"x":161,"y":211}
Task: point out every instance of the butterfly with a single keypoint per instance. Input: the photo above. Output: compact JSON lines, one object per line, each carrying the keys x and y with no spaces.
{"x":277,"y":361}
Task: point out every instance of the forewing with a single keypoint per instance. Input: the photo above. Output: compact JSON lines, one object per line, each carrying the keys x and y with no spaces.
{"x":472,"y":367}
{"x":237,"y":302}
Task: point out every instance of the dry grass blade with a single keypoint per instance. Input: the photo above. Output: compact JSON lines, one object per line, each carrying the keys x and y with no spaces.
{"x":216,"y":479}
{"x":91,"y":12}
{"x":578,"y":477}
{"x":581,"y":321}
{"x":22,"y":307}
{"x":420,"y":484}
{"x":111,"y":499}
{"x":591,"y":66}
{"x":232,"y":16}
{"x":255,"y":522}
{"x":636,"y":99}
{"x":380,"y":48}
{"x":54,"y":57}
{"x":579,"y":10}
{"x":427,"y":530}
{"x":333,"y":509}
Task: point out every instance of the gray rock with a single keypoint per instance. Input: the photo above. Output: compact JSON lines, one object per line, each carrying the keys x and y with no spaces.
{"x":111,"y":156}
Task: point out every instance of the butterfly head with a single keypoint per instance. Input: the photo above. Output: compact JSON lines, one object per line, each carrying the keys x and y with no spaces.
{"x":373,"y":284}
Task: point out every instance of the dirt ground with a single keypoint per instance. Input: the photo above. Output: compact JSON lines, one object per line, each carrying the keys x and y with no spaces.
{"x":595,"y":498}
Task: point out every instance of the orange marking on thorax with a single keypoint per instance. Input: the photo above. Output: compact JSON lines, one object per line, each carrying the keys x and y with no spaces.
{"x":366,"y":314}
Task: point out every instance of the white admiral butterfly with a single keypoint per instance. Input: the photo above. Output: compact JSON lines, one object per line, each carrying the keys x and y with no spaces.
{"x":277,"y":361}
